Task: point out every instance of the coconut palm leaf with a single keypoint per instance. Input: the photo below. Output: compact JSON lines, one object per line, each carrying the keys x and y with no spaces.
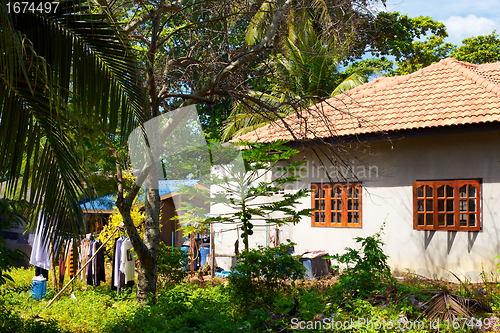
{"x":307,"y":71}
{"x":447,"y":306}
{"x":60,"y":69}
{"x":257,"y":28}
{"x":248,"y":113}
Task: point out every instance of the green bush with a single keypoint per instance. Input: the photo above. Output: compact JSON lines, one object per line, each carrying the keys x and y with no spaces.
{"x":261,"y":273}
{"x":171,"y":263}
{"x":183,"y":308}
{"x":10,"y":321}
{"x":366,"y":270}
{"x":10,"y":211}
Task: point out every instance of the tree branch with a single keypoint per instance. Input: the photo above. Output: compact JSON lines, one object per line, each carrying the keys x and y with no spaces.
{"x":131,"y":26}
{"x":164,"y":94}
{"x":241,"y":60}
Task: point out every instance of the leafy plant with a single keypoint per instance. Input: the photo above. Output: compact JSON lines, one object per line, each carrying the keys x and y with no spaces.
{"x":367,"y":269}
{"x":261,"y":273}
{"x":10,"y":212}
{"x":10,"y":321}
{"x":171,"y":262}
{"x":242,"y":186}
{"x":116,"y":219}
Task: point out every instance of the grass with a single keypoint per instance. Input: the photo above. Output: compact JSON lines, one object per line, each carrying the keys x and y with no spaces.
{"x":80,"y":308}
{"x":308,"y":307}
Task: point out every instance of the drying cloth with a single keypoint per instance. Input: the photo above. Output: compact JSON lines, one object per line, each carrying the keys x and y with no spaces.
{"x":40,"y":252}
{"x":127,"y":265}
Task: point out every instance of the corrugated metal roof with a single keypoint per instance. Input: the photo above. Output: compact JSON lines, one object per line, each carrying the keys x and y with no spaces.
{"x":107,"y":202}
{"x":447,"y":93}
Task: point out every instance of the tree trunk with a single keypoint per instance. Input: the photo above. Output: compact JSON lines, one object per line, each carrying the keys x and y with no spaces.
{"x":147,"y":275}
{"x":53,"y":263}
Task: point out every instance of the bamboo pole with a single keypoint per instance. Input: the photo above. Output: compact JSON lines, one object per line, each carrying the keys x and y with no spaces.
{"x":212,"y":252}
{"x":81,"y":269}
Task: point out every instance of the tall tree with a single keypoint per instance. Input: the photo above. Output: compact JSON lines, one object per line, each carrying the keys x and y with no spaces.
{"x":193,"y":52}
{"x":302,"y":74}
{"x":57,"y":57}
{"x":188,"y":57}
{"x":420,"y":54}
{"x":479,"y":50}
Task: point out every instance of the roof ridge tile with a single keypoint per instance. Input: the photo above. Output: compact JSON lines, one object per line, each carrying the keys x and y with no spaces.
{"x":473,"y":73}
{"x":446,"y":93}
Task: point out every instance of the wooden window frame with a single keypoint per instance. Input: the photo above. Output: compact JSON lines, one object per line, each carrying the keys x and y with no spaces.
{"x":336,"y":213}
{"x":441,"y":209}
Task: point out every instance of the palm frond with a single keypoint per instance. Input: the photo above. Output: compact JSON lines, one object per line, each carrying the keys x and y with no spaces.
{"x":247,"y":115}
{"x":446,"y":306}
{"x":64,"y":57}
{"x":257,"y":27}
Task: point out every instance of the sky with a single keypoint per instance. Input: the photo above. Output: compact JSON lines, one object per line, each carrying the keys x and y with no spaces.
{"x":463,"y":18}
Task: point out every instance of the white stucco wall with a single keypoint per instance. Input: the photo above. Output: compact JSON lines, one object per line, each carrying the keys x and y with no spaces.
{"x":387,"y":196}
{"x":387,"y":170}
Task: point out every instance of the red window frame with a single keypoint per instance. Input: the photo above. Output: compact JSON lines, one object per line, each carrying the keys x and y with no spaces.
{"x":447,"y":205}
{"x":336,"y":205}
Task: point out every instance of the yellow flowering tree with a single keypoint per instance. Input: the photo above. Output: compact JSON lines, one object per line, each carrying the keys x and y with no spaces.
{"x":116,"y":218}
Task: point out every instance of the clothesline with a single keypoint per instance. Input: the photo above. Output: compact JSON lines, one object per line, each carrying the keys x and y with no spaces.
{"x":81,"y":269}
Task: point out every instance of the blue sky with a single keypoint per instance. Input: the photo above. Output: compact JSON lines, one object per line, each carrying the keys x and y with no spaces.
{"x":463,"y":18}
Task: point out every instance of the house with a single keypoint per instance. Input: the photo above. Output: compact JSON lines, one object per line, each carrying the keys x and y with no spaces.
{"x":98,"y":211}
{"x":419,"y":152}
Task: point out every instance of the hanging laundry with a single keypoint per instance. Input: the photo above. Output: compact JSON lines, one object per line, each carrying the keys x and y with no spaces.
{"x":127,"y":265}
{"x":99,"y":268}
{"x":70,"y":262}
{"x":113,"y":261}
{"x":116,"y":263}
{"x":84,"y":256}
{"x":63,"y":261}
{"x":90,"y":280}
{"x":40,"y":255}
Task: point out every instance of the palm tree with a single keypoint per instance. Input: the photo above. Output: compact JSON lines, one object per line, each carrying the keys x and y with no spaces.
{"x":61,"y":67}
{"x":306,"y":71}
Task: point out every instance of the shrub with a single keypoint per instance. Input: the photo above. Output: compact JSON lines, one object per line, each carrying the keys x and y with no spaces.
{"x":10,"y":212}
{"x":367,"y":269}
{"x":10,"y":321}
{"x":261,"y":273}
{"x":171,"y":263}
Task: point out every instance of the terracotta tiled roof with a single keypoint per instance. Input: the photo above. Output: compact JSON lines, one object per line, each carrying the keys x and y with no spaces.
{"x":447,"y":93}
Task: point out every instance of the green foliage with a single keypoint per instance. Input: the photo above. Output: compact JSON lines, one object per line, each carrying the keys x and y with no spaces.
{"x":397,"y":33}
{"x":171,"y":261}
{"x":371,"y":66}
{"x":260,"y":160}
{"x":244,"y":185}
{"x":207,"y":308}
{"x":423,"y":54}
{"x":10,"y":212}
{"x":479,"y":50}
{"x":90,"y":310}
{"x":305,"y":72}
{"x":11,"y":321}
{"x":261,"y":273}
{"x":366,"y":269}
{"x":183,"y":308}
{"x":55,"y":62}
{"x":476,"y":50}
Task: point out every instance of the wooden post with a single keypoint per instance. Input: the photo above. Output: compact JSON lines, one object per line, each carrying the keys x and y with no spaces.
{"x":53,"y":263}
{"x":192,"y":252}
{"x":81,"y":269}
{"x":212,"y":252}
